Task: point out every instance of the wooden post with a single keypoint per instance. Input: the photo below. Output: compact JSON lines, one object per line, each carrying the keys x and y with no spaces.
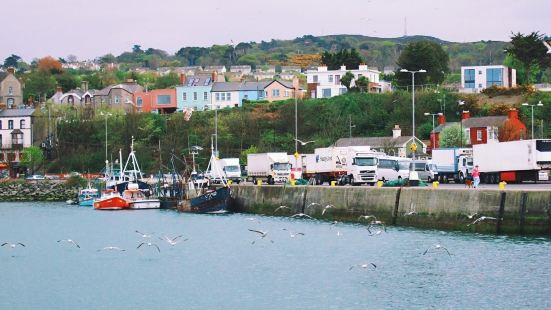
{"x":396,"y":206}
{"x":522,"y":218}
{"x":501,"y":212}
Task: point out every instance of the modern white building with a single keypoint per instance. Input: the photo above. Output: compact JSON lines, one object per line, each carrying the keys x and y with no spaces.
{"x":324,"y":83}
{"x":15,"y":134}
{"x":476,"y":78}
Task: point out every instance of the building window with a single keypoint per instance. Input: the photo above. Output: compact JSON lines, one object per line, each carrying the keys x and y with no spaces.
{"x":228,"y":96}
{"x":330,"y":78}
{"x":139,"y":101}
{"x":0,"y":124}
{"x":275,"y":92}
{"x":117,"y":99}
{"x":1,"y":156}
{"x":195,"y":96}
{"x":342,"y":91}
{"x":205,"y":96}
{"x":10,"y":90}
{"x":223,"y":97}
{"x":315,"y":78}
{"x":479,"y":135}
{"x":260,"y":94}
{"x":10,"y":102}
{"x":469,"y":78}
{"x":326,"y":92}
{"x":17,"y":138}
{"x":184,"y":96}
{"x":286,"y":93}
{"x":11,"y":156}
{"x":163,"y":99}
{"x":494,"y":76}
{"x":337,"y":79}
{"x":10,"y":124}
{"x":22,"y":124}
{"x":217,"y":96}
{"x":70,"y":99}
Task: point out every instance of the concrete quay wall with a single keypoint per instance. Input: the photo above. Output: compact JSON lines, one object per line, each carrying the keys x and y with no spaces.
{"x":518,"y":212}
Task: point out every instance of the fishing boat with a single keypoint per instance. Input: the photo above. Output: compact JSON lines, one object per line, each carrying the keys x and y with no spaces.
{"x":86,"y":196}
{"x":111,"y":200}
{"x":137,"y":199}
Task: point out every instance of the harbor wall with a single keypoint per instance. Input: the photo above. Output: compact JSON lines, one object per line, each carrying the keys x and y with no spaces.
{"x":517,"y":211}
{"x":37,"y":191}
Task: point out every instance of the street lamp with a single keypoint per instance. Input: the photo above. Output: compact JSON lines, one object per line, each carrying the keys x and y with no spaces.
{"x":532,"y":107}
{"x":461,"y":103}
{"x":433,"y":134}
{"x":106,"y":115}
{"x":413,"y":105}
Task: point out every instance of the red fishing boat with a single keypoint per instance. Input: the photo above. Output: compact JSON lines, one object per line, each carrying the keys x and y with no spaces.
{"x":111,"y":200}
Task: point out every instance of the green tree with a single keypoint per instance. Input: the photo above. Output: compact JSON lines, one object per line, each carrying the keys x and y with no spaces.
{"x":251,"y":150}
{"x":167,"y":81}
{"x":351,"y":59}
{"x":12,"y":61}
{"x":32,"y":157}
{"x":346,"y":80}
{"x":529,"y":51}
{"x":362,"y":84}
{"x":450,"y":136}
{"x":426,"y":55}
{"x":39,"y":84}
{"x":67,"y":81}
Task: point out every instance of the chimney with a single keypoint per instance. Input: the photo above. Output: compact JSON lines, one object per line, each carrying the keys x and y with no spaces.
{"x":343,"y":68}
{"x":441,"y":119}
{"x":11,"y":70}
{"x":362,"y":67}
{"x":130,"y":81}
{"x":58,"y":89}
{"x":182,"y":78}
{"x":84,"y":86}
{"x":322,"y":68}
{"x":296,"y":84}
{"x":465,"y":115}
{"x":214,"y":76}
{"x":512,"y":114}
{"x":396,"y":132}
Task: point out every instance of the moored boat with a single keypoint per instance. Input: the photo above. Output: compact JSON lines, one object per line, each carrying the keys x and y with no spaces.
{"x":137,"y":199}
{"x":86,"y":196}
{"x":111,"y":200}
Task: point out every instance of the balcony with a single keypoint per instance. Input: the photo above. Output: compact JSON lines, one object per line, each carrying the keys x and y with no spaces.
{"x":13,"y":146}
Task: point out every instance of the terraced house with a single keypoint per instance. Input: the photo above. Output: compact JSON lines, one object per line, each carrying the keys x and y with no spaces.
{"x":10,"y":90}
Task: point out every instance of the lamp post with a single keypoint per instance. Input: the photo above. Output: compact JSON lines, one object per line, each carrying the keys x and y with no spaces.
{"x":433,"y":138}
{"x":461,"y":103}
{"x":106,"y":115}
{"x":413,"y":105}
{"x":350,"y":126}
{"x":532,"y":107}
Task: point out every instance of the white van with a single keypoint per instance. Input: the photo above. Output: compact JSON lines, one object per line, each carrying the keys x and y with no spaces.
{"x":392,"y":168}
{"x":426,"y":170}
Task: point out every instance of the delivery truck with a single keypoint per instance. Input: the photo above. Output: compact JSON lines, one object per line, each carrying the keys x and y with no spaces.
{"x":512,"y":161}
{"x":452,"y":163}
{"x":268,"y":167}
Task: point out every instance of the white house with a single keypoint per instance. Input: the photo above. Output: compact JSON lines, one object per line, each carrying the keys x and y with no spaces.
{"x":15,"y":134}
{"x":476,"y":78}
{"x":324,"y":83}
{"x":225,"y":94}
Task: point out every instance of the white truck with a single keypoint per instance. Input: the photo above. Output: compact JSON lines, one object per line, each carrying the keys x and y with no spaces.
{"x":354,"y":165}
{"x":512,"y":161}
{"x":270,"y":167}
{"x":229,"y":168}
{"x":453,"y":163}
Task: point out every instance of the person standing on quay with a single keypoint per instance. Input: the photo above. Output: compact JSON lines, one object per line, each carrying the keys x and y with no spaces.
{"x":476,"y":176}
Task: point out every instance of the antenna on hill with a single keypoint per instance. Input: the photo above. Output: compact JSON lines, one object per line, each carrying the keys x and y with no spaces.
{"x":405,"y":26}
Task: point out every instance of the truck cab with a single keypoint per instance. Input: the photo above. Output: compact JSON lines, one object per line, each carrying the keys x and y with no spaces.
{"x":425,"y":169}
{"x":231,"y":169}
{"x":363,"y":168}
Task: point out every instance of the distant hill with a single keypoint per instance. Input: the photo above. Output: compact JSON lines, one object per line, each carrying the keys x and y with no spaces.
{"x":302,"y":51}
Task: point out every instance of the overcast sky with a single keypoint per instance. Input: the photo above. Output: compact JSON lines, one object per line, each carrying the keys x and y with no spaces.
{"x":92,"y":28}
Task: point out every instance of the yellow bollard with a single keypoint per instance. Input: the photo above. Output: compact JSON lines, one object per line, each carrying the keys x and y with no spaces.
{"x":230,"y":182}
{"x":502,"y":185}
{"x":435,"y":184}
{"x":333,"y":183}
{"x":293,"y":182}
{"x":259,"y":182}
{"x":380,"y":183}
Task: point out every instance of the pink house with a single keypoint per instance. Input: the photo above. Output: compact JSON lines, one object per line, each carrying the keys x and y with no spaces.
{"x":162,"y":101}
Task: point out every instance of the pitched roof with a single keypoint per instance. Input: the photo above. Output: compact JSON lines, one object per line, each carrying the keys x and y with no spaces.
{"x":485,"y":121}
{"x":373,"y":141}
{"x":286,"y":84}
{"x":439,"y":128}
{"x":226,"y":86}
{"x":249,"y":86}
{"x":16,"y":112}
{"x":3,"y":75}
{"x":198,"y":80}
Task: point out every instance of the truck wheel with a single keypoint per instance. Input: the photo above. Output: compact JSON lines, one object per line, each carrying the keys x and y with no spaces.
{"x":461,"y":178}
{"x":429,"y":180}
{"x":270,"y":181}
{"x":254,"y":181}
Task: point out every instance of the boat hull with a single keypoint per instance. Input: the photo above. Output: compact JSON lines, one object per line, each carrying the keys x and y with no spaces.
{"x":212,"y":202}
{"x":86,"y":202}
{"x":145,"y":204}
{"x":111,"y":203}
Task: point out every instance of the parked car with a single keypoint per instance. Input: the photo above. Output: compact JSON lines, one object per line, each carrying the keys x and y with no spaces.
{"x":35,"y":177}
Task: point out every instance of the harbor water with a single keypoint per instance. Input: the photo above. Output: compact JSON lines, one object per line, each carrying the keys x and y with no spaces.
{"x":222,"y":265}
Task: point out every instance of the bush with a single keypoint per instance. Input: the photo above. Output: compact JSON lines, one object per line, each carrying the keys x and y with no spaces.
{"x":494,"y":90}
{"x":75,"y":181}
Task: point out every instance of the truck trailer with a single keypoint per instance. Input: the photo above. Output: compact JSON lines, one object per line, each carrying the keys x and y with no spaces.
{"x":512,"y":161}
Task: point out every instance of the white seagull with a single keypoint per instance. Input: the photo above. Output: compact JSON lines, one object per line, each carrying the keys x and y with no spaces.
{"x":69,"y":241}
{"x":149,"y":244}
{"x":481,"y":219}
{"x":111,"y":248}
{"x":313,"y":204}
{"x":262,"y":234}
{"x":13,"y":245}
{"x":364,"y":266}
{"x":172,"y":241}
{"x":301,"y":215}
{"x":548,"y":47}
{"x":437,"y":247}
{"x":304,"y":143}
{"x":144,"y":235}
{"x":325,"y":209}
{"x":471,"y":216}
{"x":292,"y":234}
{"x":280,"y":208}
{"x":366,"y":217}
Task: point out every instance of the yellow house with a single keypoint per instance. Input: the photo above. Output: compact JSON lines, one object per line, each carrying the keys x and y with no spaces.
{"x":283,"y":90}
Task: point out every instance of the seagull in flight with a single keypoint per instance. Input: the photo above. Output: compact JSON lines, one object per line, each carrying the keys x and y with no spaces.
{"x":364,"y":266}
{"x":262,"y":234}
{"x":149,"y":244}
{"x":366,"y":217}
{"x":13,"y":245}
{"x":303,"y":142}
{"x":144,"y":235}
{"x":69,"y":241}
{"x":548,"y":47}
{"x":280,"y":208}
{"x":437,"y":247}
{"x":326,"y":207}
{"x":481,"y":219}
{"x":471,"y":216}
{"x":301,"y":215}
{"x":111,"y":248}
{"x":172,"y":241}
{"x":411,"y":210}
{"x":313,"y":204}
{"x":292,"y":234}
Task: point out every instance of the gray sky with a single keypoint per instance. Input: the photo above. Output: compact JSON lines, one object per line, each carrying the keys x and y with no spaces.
{"x":92,"y":28}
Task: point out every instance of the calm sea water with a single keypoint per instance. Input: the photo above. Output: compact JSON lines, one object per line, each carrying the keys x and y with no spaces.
{"x":220,"y":268}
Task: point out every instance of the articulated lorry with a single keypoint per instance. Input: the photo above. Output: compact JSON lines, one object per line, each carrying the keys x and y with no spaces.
{"x":269,"y":167}
{"x":452,"y":163}
{"x":354,"y":165}
{"x":512,"y":161}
